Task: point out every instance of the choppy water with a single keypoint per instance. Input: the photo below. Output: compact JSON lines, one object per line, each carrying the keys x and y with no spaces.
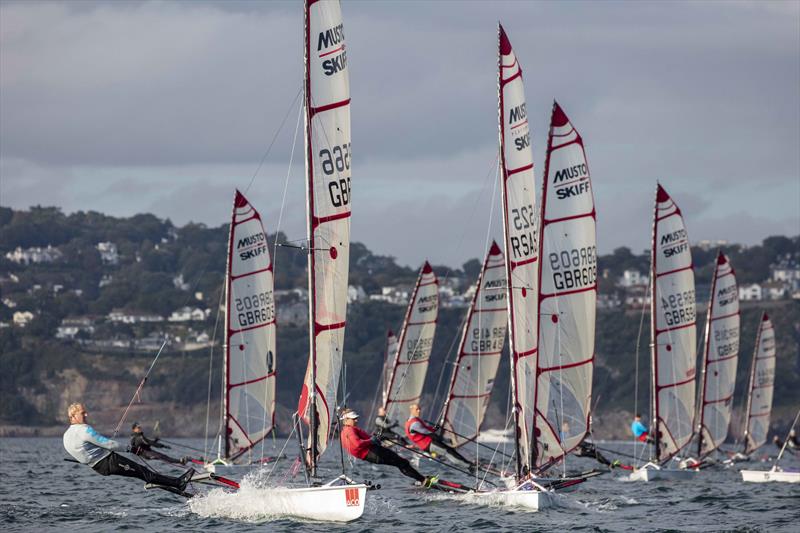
{"x":41,"y":492}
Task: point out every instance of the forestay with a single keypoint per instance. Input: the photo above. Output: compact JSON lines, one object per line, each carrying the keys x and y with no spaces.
{"x":762,"y":380}
{"x":249,"y":378}
{"x":327,"y":121}
{"x":567,"y":300}
{"x":522,"y":250}
{"x":721,"y":358}
{"x":410,"y":363}
{"x":478,"y":353}
{"x":673,"y":333}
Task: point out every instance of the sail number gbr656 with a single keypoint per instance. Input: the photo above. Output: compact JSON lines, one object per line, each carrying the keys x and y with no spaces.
{"x":336,"y":161}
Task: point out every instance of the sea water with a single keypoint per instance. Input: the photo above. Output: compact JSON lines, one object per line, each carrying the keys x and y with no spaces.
{"x":39,"y":491}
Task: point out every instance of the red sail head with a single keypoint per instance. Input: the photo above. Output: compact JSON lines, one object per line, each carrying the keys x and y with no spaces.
{"x":661,"y":194}
{"x":426,"y":268}
{"x":494,"y":250}
{"x":559,"y":118}
{"x":505,"y":44}
{"x":240,"y":201}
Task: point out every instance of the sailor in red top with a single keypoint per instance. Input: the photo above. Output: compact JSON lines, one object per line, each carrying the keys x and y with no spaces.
{"x":426,"y":439}
{"x":362,"y":445}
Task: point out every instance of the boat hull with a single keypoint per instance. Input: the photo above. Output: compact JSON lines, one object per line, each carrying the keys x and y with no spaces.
{"x":767,"y":476}
{"x":340,"y":503}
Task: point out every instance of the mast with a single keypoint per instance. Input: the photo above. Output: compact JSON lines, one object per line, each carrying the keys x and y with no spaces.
{"x":567,"y":294}
{"x":479,"y":352}
{"x":653,"y":359}
{"x":414,"y":346}
{"x":327,"y":158}
{"x":520,"y":235}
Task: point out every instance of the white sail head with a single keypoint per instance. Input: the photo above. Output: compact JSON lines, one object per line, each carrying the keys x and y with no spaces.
{"x":250,"y":339}
{"x":568,"y":294}
{"x":721,"y":357}
{"x":673,"y":328}
{"x":520,"y":228}
{"x":762,"y":382}
{"x":479,"y":353}
{"x":328,"y":172}
{"x":415,"y":343}
{"x":388,"y":364}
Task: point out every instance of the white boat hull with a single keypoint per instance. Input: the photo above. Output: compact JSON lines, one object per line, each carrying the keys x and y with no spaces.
{"x":766,"y":476}
{"x":231,"y":470}
{"x":532,"y":500}
{"x":650,"y":472}
{"x":339,"y":503}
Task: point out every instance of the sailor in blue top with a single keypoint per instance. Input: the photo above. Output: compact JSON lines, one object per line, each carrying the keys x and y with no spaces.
{"x":90,"y":448}
{"x":640,"y":431}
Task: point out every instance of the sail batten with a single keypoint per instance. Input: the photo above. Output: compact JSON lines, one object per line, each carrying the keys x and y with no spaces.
{"x":479,"y":353}
{"x":520,"y":232}
{"x":673,"y":331}
{"x":568,"y":294}
{"x":328,"y":173}
{"x":409,"y":366}
{"x":762,"y":381}
{"x":720,"y":358}
{"x":250,"y":362}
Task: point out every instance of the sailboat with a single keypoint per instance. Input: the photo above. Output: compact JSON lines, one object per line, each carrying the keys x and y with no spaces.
{"x":775,"y":473}
{"x":406,"y":375}
{"x":479,"y":353}
{"x":673,"y":338}
{"x":328,"y":173}
{"x":720,"y":359}
{"x":249,"y":368}
{"x":759,"y":391}
{"x":567,"y":297}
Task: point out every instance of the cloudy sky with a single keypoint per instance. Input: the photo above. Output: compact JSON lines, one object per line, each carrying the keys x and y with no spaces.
{"x":165,"y":107}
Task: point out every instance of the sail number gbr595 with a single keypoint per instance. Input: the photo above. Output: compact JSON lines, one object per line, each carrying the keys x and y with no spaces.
{"x":335,"y":161}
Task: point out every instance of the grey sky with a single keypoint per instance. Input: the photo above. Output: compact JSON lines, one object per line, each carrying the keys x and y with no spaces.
{"x":165,"y":107}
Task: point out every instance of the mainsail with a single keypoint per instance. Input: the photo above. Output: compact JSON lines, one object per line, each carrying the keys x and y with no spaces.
{"x":388,"y":364}
{"x":673,"y":331}
{"x":568,"y":286}
{"x":720,"y":359}
{"x":410,"y":364}
{"x":478,"y":354}
{"x":249,"y":373}
{"x":762,"y":380}
{"x":522,"y":250}
{"x":327,"y":121}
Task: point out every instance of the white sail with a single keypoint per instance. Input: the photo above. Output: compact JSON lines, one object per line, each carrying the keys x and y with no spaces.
{"x":568,"y":294}
{"x":479,"y":353}
{"x":249,"y":374}
{"x":522,"y":250}
{"x":762,"y":381}
{"x":416,"y":340}
{"x":720,"y":360}
{"x":327,"y":121}
{"x":673,"y":331}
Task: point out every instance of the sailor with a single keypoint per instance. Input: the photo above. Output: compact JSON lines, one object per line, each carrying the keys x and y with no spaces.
{"x":588,"y":449}
{"x":362,"y":445}
{"x":640,"y":431}
{"x":794,"y":441}
{"x":90,"y":448}
{"x":385,"y":427}
{"x":426,"y":439}
{"x":143,"y":447}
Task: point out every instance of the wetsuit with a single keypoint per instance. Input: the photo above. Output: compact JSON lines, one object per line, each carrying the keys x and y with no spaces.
{"x":143,"y":447}
{"x":639,"y":431}
{"x":385,"y":427}
{"x":90,"y":448}
{"x":426,"y":439}
{"x":360,"y":445}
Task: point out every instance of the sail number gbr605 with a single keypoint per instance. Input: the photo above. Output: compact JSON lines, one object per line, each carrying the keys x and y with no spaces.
{"x":336,"y":161}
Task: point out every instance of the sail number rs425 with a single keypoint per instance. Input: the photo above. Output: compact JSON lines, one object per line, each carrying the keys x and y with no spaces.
{"x":337,"y":160}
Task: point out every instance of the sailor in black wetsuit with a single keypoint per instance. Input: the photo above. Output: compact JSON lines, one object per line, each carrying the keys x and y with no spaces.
{"x":384,"y":427}
{"x":143,"y":447}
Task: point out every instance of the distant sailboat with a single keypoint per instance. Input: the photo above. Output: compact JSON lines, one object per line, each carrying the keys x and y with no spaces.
{"x":568,"y":295}
{"x":406,"y":376}
{"x":720,"y":359}
{"x":673,"y":341}
{"x":479,"y":353}
{"x":759,"y":391}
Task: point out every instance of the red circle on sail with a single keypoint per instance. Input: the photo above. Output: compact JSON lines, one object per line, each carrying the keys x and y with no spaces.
{"x":554,"y":318}
{"x":334,"y":252}
{"x":241,"y":346}
{"x":524,"y":292}
{"x":669,"y":347}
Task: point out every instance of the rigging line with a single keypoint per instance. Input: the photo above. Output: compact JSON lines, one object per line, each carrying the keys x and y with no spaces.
{"x":274,"y":138}
{"x":636,"y":364}
{"x":139,"y":388}
{"x":210,"y":374}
